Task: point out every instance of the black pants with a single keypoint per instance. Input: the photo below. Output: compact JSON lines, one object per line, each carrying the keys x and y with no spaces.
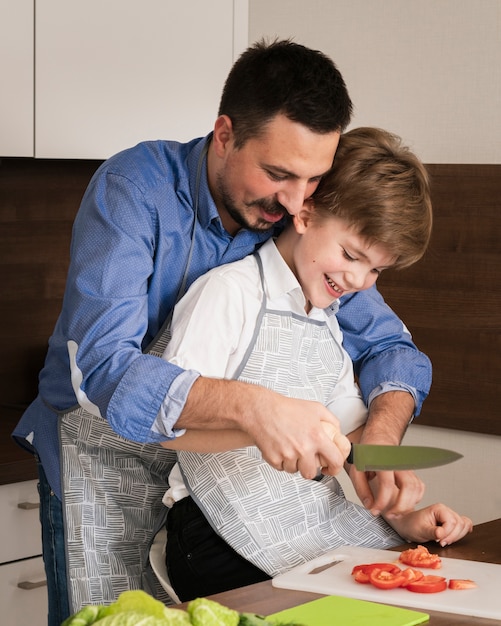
{"x":199,"y":562}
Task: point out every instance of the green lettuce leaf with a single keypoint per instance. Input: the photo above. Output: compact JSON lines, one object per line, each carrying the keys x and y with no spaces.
{"x":86,"y":616}
{"x":205,"y":612}
{"x":131,"y":608}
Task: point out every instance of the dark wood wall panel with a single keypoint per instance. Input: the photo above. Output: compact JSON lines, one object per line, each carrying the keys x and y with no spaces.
{"x":38,"y":203}
{"x":451,"y":300}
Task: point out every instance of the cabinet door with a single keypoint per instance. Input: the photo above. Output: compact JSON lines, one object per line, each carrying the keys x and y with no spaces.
{"x":23,"y":593}
{"x":16,"y":78}
{"x":19,"y":521}
{"x":111,"y":73}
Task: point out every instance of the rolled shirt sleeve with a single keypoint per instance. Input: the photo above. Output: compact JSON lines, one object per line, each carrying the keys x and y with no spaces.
{"x":384,"y":355}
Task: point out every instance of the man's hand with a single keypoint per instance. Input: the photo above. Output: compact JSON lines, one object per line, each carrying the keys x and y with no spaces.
{"x":300,"y":435}
{"x":394,"y":493}
{"x":288,"y":431}
{"x":391,"y":493}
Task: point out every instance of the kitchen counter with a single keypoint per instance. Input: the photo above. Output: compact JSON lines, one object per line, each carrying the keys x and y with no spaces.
{"x":483,"y":544}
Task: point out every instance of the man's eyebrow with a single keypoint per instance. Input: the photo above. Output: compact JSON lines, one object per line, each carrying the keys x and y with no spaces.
{"x":282,"y":170}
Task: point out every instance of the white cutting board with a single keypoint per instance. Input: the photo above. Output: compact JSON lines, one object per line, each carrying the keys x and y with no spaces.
{"x":484,"y":601}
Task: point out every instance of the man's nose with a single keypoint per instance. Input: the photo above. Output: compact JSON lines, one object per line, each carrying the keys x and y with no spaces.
{"x":293,"y":195}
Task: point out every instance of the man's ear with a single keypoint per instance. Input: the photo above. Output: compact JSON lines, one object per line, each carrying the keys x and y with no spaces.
{"x":303,"y":219}
{"x":223,"y":135}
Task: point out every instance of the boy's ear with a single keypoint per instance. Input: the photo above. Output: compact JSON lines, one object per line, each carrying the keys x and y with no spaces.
{"x":223,"y":134}
{"x":302,"y":219}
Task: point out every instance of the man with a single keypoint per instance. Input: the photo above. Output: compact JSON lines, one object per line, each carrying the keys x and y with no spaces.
{"x":153,"y":219}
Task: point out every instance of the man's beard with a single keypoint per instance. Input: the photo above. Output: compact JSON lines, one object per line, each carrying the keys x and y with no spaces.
{"x":239,"y":216}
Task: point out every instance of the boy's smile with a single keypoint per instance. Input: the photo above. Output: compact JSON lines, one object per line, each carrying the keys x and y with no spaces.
{"x":330,"y":259}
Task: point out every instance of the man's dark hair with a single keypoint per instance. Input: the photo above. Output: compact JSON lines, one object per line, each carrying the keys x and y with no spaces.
{"x":286,"y":78}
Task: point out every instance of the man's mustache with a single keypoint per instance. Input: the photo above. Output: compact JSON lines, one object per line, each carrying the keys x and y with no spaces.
{"x":273,"y":208}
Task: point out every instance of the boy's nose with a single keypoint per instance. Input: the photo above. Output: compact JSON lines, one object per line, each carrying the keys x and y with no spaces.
{"x":356,"y":279}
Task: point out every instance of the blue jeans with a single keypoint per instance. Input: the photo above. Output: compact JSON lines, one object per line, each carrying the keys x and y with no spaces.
{"x":54,"y":556}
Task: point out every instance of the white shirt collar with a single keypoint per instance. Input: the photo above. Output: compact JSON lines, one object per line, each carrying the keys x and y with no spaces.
{"x":280,"y":281}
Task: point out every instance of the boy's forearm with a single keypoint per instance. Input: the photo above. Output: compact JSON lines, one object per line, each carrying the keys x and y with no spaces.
{"x":209,"y":441}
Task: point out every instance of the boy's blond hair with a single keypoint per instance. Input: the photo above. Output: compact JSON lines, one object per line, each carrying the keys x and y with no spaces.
{"x":382,"y":190}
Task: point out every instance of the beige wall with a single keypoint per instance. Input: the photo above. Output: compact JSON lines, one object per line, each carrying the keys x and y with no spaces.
{"x":428,"y":70}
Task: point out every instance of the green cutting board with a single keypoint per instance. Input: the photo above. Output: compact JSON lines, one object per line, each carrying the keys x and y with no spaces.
{"x":338,"y":611}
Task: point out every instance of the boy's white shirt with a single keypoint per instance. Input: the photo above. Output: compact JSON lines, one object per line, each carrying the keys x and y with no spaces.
{"x":213,"y":325}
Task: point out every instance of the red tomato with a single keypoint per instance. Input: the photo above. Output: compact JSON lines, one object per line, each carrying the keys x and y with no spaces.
{"x":362,"y":572}
{"x":420,"y":557}
{"x":361,"y":577}
{"x":411,"y":575}
{"x":383,"y":579}
{"x":428,"y":584}
{"x":461,"y":583}
{"x":368,"y":567}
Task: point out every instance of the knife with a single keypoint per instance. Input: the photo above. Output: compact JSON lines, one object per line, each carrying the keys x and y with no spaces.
{"x":367,"y":457}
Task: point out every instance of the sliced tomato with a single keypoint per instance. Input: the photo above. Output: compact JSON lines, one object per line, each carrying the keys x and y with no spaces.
{"x":361,"y":577}
{"x":411,"y":575}
{"x":362,"y":572}
{"x":383,"y":579}
{"x":428,"y":584}
{"x":420,"y":557}
{"x":368,"y":567}
{"x":462,"y":583}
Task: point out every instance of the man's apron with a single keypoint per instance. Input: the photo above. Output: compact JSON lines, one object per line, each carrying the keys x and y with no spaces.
{"x":112,"y":492}
{"x":274,"y":519}
{"x":112,"y":503}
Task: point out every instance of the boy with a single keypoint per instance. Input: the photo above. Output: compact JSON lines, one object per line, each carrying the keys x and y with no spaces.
{"x":273,"y":323}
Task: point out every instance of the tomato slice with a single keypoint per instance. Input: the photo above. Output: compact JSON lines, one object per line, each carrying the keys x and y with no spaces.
{"x":428,"y":584}
{"x":383,"y":579}
{"x":411,"y":575}
{"x":368,"y":567}
{"x":361,"y":573}
{"x":361,"y":577}
{"x":420,"y":557}
{"x":462,"y":583}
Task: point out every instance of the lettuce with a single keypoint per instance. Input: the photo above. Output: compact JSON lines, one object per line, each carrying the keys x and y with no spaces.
{"x":137,"y":608}
{"x":132,"y":618}
{"x":132,"y":608}
{"x":205,"y":612}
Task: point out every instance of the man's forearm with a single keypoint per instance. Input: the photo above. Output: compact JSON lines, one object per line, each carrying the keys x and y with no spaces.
{"x":288,"y":431}
{"x":389,"y":416}
{"x":214,"y":404}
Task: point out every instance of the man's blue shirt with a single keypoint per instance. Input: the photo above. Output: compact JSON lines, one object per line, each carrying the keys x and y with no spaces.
{"x":130,"y":248}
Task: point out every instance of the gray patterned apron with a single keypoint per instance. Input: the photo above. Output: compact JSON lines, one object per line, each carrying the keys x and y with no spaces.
{"x":274,"y":519}
{"x":112,"y":503}
{"x":112,"y":492}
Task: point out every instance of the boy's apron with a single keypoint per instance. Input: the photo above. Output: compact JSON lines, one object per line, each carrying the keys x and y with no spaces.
{"x":274,"y":519}
{"x":112,"y":503}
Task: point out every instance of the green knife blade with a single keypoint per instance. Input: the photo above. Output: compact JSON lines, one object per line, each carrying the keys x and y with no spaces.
{"x":367,"y":457}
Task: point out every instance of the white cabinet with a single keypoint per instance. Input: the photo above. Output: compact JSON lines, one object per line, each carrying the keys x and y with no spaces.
{"x":16,"y":78}
{"x":23,"y":592}
{"x":23,"y":597}
{"x":111,"y":73}
{"x":83,"y":80}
